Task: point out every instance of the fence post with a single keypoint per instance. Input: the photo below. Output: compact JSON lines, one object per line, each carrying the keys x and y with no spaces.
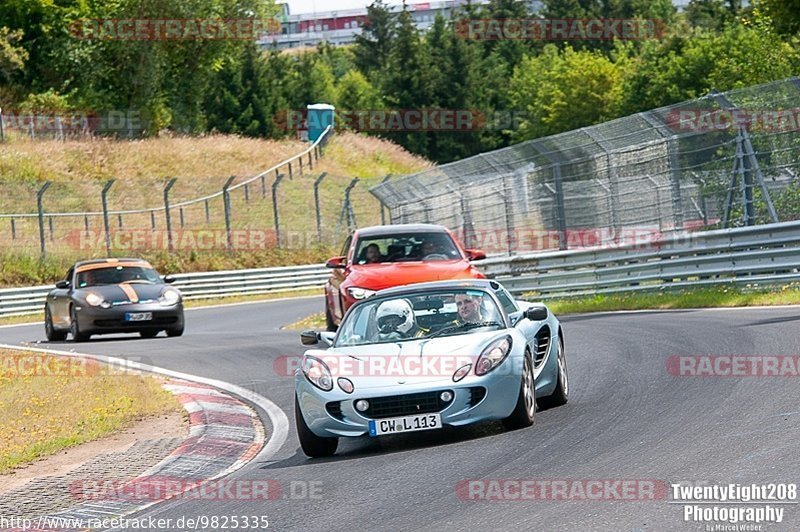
{"x":50,"y":225}
{"x":561,"y":211}
{"x":2,"y":128}
{"x":351,"y":216}
{"x":181,"y":215}
{"x":59,"y":129}
{"x":310,"y":163}
{"x":106,"y":225}
{"x":40,"y":208}
{"x":13,"y":229}
{"x":290,"y":170}
{"x":226,"y":203}
{"x":264,"y":186}
{"x":153,"y":220}
{"x":247,"y":192}
{"x":300,"y":162}
{"x":275,"y":186}
{"x":208,"y":212}
{"x":167,"y":218}
{"x":86,"y":222}
{"x":317,"y":182}
{"x":383,"y":215}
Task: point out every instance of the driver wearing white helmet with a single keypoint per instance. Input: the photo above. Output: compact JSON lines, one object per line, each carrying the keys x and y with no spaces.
{"x":396,"y":321}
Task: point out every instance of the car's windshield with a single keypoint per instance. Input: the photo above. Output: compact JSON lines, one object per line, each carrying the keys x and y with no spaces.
{"x":424,"y":314}
{"x":117,"y":274}
{"x":405,"y":247}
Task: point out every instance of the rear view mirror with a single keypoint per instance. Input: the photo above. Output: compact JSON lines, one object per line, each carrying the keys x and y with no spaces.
{"x":62,"y":285}
{"x":537,"y":313}
{"x":169,"y":279}
{"x":475,"y":254}
{"x":309,"y":338}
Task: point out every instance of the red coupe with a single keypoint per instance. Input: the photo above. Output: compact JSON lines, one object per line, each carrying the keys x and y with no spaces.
{"x":374,"y":258}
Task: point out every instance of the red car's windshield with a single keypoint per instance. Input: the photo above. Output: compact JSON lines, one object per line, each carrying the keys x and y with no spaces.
{"x":405,"y":247}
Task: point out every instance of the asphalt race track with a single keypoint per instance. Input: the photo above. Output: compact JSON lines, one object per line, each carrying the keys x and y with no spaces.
{"x":628,"y":419}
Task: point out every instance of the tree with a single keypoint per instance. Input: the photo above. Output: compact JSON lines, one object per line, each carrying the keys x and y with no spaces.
{"x":373,"y":46}
{"x":564,"y":90}
{"x":12,"y":56}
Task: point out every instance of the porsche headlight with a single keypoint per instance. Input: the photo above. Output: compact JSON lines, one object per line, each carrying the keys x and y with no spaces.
{"x":93,"y":299}
{"x":493,"y":355}
{"x":317,"y":373}
{"x":360,"y":293}
{"x":170,"y":297}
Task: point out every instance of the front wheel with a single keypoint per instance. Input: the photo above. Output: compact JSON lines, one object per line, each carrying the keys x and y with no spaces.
{"x":329,"y":324}
{"x":74,"y":328}
{"x":560,"y":395}
{"x":313,"y":445}
{"x":148,"y":334}
{"x":49,"y":330}
{"x":178,"y":331}
{"x":524,"y":413}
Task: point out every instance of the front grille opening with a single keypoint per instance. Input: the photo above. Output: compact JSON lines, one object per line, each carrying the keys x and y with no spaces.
{"x":405,"y":405}
{"x":542,"y":345}
{"x":476,"y":395}
{"x":335,"y":410}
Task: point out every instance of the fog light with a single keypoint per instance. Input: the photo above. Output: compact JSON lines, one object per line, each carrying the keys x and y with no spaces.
{"x":446,"y":396}
{"x":345,"y":384}
{"x":362,"y":405}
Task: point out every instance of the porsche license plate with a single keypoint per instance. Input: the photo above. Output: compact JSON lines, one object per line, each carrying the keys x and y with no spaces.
{"x":396,"y":425}
{"x":138,"y":316}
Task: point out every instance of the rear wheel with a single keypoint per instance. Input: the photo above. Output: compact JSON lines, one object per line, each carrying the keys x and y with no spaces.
{"x":148,"y":334}
{"x":313,"y":445}
{"x":525,"y":411}
{"x":560,"y":395}
{"x":74,"y":327}
{"x":50,"y":331}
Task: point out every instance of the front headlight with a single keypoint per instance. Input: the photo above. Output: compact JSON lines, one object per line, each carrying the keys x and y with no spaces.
{"x":317,"y":373}
{"x":493,"y":355}
{"x":360,"y":293}
{"x":170,"y":297}
{"x":93,"y":299}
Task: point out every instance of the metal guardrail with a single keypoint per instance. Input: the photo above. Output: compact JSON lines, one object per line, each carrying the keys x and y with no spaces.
{"x":761,"y":254}
{"x":26,"y":301}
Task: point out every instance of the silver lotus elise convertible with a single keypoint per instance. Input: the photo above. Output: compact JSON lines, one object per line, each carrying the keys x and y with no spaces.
{"x":424,"y":356}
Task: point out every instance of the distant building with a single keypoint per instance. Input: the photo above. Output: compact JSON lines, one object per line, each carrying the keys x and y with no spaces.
{"x":341,"y":26}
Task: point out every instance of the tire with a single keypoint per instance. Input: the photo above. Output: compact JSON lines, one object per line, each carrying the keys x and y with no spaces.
{"x":148,"y":334}
{"x":49,"y":330}
{"x":330,"y":326}
{"x":178,"y":331}
{"x":560,"y":395}
{"x":313,"y":446}
{"x":74,"y":328}
{"x":524,"y":412}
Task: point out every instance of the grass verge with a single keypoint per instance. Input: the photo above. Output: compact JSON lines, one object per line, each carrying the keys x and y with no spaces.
{"x":50,"y":403}
{"x":722,"y":296}
{"x":315,"y":321}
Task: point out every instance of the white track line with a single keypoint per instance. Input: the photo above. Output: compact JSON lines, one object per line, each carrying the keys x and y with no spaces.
{"x":278,"y":419}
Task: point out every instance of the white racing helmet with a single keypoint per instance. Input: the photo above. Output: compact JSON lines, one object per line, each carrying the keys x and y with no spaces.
{"x":395,"y":316}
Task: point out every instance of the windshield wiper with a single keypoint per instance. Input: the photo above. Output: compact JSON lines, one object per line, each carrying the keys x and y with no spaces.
{"x":465,"y":327}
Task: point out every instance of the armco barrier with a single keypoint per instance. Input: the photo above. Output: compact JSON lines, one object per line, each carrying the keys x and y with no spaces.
{"x":24,"y":301}
{"x":760,"y":254}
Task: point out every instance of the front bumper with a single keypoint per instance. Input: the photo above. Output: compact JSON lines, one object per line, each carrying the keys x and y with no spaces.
{"x":476,"y":399}
{"x":98,"y":320}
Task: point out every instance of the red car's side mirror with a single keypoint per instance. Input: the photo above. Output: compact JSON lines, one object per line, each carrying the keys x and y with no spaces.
{"x":475,"y":254}
{"x":336,"y":262}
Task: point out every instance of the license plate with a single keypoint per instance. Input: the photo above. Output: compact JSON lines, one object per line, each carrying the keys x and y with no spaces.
{"x":396,"y":425}
{"x":138,"y":316}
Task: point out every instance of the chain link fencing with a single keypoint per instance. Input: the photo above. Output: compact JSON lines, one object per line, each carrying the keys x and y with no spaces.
{"x":724,"y":160}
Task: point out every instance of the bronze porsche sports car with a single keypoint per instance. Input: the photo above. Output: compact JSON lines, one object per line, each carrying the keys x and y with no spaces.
{"x":113,"y":296}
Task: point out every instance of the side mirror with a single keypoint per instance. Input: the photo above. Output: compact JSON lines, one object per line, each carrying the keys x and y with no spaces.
{"x":309,"y":338}
{"x":336,"y":262}
{"x":169,"y":279}
{"x":327,"y":337}
{"x":537,"y":313}
{"x":475,"y":254}
{"x":62,"y":285}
